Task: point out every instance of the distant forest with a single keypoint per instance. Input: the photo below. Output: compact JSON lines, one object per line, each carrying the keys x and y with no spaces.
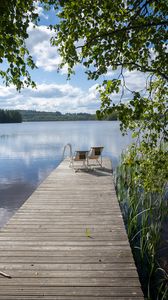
{"x":10,"y":116}
{"x":17,"y":116}
{"x":31,"y":115}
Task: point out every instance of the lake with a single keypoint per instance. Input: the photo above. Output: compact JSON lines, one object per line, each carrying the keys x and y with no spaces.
{"x":30,"y":151}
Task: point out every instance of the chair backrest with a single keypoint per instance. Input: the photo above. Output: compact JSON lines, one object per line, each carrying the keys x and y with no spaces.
{"x":80,"y":155}
{"x":95,"y":152}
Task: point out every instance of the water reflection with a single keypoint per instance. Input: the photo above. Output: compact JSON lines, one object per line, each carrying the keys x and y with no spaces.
{"x":29,"y":151}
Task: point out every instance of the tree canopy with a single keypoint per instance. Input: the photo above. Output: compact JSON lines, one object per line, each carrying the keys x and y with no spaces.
{"x":10,"y":116}
{"x":15,"y":17}
{"x":101,"y":35}
{"x":113,"y":35}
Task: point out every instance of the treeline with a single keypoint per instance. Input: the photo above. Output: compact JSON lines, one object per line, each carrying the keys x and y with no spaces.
{"x":17,"y":116}
{"x":10,"y":116}
{"x":31,"y":115}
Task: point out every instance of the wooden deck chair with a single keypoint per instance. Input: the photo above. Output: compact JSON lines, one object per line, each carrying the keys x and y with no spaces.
{"x":80,"y":156}
{"x":95,"y":153}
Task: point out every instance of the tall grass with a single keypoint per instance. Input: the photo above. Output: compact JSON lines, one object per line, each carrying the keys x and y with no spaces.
{"x":143,"y":213}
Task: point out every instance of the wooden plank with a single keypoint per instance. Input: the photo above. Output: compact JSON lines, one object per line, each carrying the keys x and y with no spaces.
{"x":68,"y":242}
{"x":75,"y":291}
{"x":61,"y":237}
{"x":66,"y":245}
{"x":27,"y":273}
{"x":68,"y":252}
{"x":33,"y":259}
{"x":68,"y":267}
{"x":18,"y":297}
{"x":69,"y":281}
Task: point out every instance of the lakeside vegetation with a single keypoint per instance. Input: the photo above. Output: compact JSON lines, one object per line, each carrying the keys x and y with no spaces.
{"x":145,"y":213}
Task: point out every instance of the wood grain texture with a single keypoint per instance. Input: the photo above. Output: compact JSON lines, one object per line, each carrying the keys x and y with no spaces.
{"x":68,"y":241}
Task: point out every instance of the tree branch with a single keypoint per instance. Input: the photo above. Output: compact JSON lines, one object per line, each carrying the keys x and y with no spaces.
{"x":124,"y":29}
{"x":141,"y":68}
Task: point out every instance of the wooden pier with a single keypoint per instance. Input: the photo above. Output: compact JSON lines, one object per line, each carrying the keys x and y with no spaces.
{"x":68,"y":242}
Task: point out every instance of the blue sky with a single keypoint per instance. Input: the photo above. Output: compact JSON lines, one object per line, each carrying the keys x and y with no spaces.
{"x":54,"y":92}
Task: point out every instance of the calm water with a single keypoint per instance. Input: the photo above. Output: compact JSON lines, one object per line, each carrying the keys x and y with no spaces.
{"x":30,"y":151}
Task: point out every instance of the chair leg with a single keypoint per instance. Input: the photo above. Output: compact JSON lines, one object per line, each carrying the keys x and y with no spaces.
{"x":100,"y":162}
{"x":71,"y":164}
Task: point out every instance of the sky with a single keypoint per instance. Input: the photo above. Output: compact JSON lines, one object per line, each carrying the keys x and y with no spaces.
{"x":53,"y":91}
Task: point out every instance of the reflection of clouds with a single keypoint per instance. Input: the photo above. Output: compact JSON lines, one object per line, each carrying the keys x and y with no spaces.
{"x":4,"y":182}
{"x":47,"y":141}
{"x":5,"y":215}
{"x":29,"y":151}
{"x":28,"y":146}
{"x":25,"y":155}
{"x":43,"y":173}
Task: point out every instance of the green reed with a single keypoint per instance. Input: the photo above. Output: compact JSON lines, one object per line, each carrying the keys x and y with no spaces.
{"x":143,"y":214}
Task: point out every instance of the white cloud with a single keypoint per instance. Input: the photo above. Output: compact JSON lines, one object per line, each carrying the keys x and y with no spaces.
{"x":45,"y":56}
{"x":37,"y":34}
{"x":50,"y":97}
{"x":60,"y":97}
{"x":135,"y":80}
{"x":48,"y":59}
{"x":40,"y":11}
{"x":111,"y":73}
{"x":64,"y":97}
{"x":93,"y":92}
